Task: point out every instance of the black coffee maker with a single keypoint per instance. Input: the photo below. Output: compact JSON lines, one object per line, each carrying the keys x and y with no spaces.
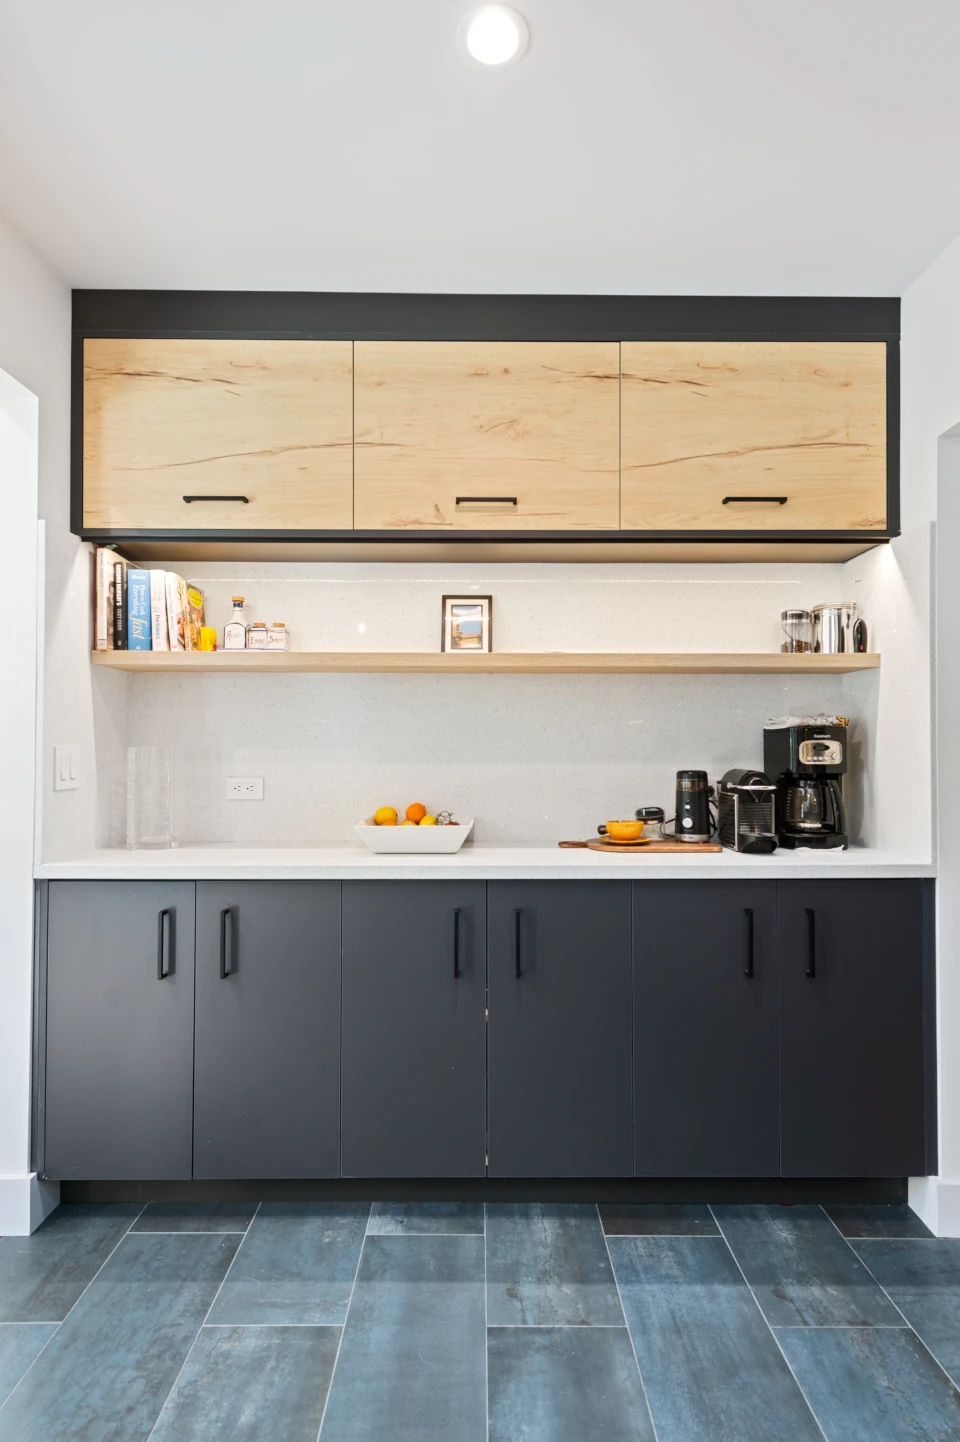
{"x":807,"y":761}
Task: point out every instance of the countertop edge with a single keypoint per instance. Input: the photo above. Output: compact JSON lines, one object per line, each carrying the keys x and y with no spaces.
{"x":332,"y":863}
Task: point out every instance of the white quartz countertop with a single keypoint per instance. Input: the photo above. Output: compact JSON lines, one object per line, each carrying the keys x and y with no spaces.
{"x":533,"y":861}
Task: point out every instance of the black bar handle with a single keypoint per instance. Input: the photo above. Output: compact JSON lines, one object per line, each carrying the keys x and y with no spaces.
{"x":163,"y":945}
{"x":226,"y":917}
{"x":456,"y":942}
{"x":516,"y":941}
{"x":760,"y":500}
{"x":811,"y":970}
{"x":190,"y":499}
{"x":486,"y":500}
{"x":748,"y":969}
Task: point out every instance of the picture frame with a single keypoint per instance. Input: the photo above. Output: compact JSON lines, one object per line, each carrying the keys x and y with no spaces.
{"x":466,"y":624}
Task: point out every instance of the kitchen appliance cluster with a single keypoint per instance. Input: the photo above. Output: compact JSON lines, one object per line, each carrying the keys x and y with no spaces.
{"x":796,"y":801}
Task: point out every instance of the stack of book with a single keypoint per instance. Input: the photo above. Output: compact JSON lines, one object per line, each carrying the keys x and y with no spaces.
{"x":141,"y":610}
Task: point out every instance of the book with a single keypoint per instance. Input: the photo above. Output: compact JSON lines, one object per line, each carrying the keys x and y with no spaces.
{"x":120,"y":605}
{"x":172,"y":585}
{"x":104,"y":562}
{"x":159,"y":633}
{"x":193,"y":617}
{"x":138,"y":609}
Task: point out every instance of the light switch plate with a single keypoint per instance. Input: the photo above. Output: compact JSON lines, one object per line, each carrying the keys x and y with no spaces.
{"x":66,"y":768}
{"x":244,"y":788}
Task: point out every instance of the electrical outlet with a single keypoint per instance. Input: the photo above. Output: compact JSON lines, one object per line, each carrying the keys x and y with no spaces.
{"x":66,"y":768}
{"x":244,"y":788}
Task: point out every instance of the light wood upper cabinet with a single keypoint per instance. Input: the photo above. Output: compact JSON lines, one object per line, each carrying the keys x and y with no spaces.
{"x":487,"y":435}
{"x":270,"y":420}
{"x":705,"y":421}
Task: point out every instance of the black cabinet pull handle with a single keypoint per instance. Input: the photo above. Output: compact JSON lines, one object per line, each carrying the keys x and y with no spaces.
{"x":748,"y":969}
{"x":190,"y":499}
{"x":456,"y":943}
{"x":811,"y":970}
{"x":486,"y":500}
{"x":759,"y":500}
{"x":163,"y":945}
{"x":516,"y":941}
{"x":226,"y":949}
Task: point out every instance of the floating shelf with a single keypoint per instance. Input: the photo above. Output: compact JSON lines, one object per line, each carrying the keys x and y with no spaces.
{"x":590,"y":663}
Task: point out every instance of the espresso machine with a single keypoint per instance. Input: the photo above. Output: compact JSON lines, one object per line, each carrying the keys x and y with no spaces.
{"x":807,"y":760}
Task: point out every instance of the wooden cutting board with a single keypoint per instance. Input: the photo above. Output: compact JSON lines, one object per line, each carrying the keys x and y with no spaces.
{"x":649,"y":846}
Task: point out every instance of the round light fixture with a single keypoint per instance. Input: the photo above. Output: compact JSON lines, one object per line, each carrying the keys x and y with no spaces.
{"x":494,"y":35}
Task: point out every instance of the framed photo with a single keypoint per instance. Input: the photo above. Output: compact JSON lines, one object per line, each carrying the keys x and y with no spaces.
{"x":467,"y":623}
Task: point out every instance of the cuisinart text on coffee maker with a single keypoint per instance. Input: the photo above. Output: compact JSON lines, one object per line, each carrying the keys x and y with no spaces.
{"x":807,"y":758}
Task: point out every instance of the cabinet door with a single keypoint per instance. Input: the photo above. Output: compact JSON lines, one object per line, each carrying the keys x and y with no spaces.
{"x":487,"y":435}
{"x":270,"y":421}
{"x":413,"y":1029}
{"x":851,"y":1019}
{"x":705,"y":1029}
{"x":559,"y":1045}
{"x":713,"y":429}
{"x":119,"y":1031}
{"x":267,"y":1077}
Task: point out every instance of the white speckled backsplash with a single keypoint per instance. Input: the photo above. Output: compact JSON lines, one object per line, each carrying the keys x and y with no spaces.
{"x":529,"y":756}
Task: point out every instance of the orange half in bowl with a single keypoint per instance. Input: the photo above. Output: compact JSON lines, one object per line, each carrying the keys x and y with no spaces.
{"x":624,"y":830}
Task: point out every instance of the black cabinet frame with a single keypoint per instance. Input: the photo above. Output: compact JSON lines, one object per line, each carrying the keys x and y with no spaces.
{"x":317,"y":315}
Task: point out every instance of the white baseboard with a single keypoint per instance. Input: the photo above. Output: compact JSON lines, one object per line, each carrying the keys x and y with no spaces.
{"x":936,"y":1201}
{"x":25,"y":1202}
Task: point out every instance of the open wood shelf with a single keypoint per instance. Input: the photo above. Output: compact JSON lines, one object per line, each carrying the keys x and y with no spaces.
{"x":596,"y":663}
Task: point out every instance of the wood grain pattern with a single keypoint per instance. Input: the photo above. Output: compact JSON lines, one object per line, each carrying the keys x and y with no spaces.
{"x":268,"y":419}
{"x":707,"y":419}
{"x":493,"y":663}
{"x":536,"y":421}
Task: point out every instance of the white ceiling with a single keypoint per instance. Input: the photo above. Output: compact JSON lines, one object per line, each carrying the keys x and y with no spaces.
{"x":699,"y":146}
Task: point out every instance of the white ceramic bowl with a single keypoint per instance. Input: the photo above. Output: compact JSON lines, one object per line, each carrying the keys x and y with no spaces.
{"x":413,"y":840}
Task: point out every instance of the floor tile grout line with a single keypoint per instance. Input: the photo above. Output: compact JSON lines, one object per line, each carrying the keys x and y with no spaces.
{"x":346,"y":1318}
{"x":907,"y":1322}
{"x":486,"y":1328}
{"x":623,"y":1311}
{"x":59,"y":1324}
{"x":776,"y":1342}
{"x":276,"y":1326}
{"x":183,"y":1232}
{"x":216,"y":1294}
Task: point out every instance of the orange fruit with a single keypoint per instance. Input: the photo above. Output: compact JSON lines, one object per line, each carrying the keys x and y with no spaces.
{"x":387,"y":823}
{"x":416,"y":812}
{"x":428,"y":821}
{"x":385,"y":816}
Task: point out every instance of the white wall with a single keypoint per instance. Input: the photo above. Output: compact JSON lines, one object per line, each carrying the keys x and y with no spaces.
{"x":930,"y":409}
{"x":34,"y":352}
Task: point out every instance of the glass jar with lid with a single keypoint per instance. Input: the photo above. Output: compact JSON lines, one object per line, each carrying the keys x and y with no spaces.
{"x":797,"y":627}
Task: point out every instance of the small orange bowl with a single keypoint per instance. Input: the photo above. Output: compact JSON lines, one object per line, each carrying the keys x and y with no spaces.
{"x":624,"y":830}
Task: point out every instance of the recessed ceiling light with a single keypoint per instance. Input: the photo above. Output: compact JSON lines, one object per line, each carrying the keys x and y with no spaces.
{"x":494,"y":35}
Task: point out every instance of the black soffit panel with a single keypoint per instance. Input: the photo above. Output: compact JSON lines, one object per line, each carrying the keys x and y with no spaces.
{"x":368,"y":316}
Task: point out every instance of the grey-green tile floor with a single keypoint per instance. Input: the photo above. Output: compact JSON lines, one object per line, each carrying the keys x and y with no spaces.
{"x":435,"y":1322}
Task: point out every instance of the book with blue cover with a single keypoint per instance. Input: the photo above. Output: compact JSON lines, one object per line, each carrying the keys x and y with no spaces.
{"x":138,"y":610}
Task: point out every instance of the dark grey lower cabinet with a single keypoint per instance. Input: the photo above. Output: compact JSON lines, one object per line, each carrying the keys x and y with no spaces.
{"x":559,"y":1045}
{"x":852,"y":1028}
{"x":267,"y":1059}
{"x":705,"y":1029}
{"x":413,"y":1032}
{"x":119,"y":1031}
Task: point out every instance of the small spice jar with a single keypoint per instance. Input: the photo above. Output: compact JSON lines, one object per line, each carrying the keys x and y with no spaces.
{"x":257,"y":636}
{"x":277,"y":638}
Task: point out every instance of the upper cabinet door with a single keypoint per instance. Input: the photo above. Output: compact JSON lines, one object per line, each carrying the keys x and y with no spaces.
{"x":218,"y":420}
{"x":487,"y":435}
{"x":754,"y":435}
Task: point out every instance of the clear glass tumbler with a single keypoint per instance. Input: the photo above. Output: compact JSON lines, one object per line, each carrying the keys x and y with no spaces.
{"x":154,"y":797}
